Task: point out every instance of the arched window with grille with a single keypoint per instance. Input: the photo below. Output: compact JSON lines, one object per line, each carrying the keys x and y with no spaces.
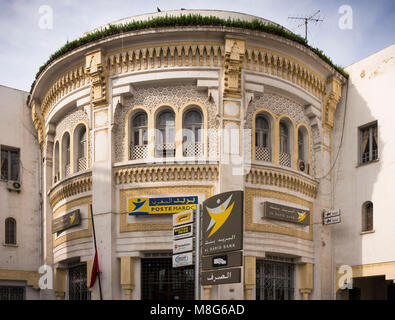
{"x":165,"y":134}
{"x":56,"y":163}
{"x":66,"y":155}
{"x":262,"y":139}
{"x":192,"y":133}
{"x":139,"y":137}
{"x":285,"y":144}
{"x":80,"y":148}
{"x":10,"y":231}
{"x":367,"y":216}
{"x":303,"y":149}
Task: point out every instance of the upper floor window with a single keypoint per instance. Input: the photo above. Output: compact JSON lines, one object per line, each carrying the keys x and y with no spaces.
{"x":367,"y":216}
{"x":10,"y":231}
{"x":9,"y":163}
{"x":165,"y":134}
{"x":56,"y":163}
{"x":139,"y":136}
{"x":285,"y":153}
{"x":262,"y":139}
{"x":66,"y":154}
{"x":368,"y":148}
{"x":81,"y":142}
{"x":192,"y":133}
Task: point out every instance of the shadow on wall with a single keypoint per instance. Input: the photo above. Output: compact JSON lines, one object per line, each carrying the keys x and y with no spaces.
{"x":360,"y":179}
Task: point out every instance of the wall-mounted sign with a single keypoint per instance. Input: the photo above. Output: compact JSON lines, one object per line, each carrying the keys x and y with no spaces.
{"x":332,"y":220}
{"x":169,"y":205}
{"x":183,"y":245}
{"x":182,"y":260}
{"x":66,"y":221}
{"x":331,"y":213}
{"x":182,"y":218}
{"x":223,"y":276}
{"x":222,"y":225}
{"x":284,"y":213}
{"x":183,"y":231}
{"x":227,"y":260}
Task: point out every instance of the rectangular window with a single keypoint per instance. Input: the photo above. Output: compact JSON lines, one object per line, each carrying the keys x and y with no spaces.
{"x":368,"y":145}
{"x":9,"y":163}
{"x":12,"y":293}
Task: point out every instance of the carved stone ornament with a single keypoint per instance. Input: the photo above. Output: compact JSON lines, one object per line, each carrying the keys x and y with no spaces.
{"x":96,"y":71}
{"x":234,"y":57}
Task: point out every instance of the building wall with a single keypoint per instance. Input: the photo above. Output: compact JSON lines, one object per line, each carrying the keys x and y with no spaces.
{"x":20,"y":262}
{"x":370,"y":98}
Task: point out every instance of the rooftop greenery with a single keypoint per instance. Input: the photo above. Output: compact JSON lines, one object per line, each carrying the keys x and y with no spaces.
{"x":183,"y":20}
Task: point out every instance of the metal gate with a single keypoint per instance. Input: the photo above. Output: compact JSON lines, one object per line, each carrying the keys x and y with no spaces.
{"x":12,"y":293}
{"x":274,"y":280}
{"x":78,"y":289}
{"x":160,"y":281}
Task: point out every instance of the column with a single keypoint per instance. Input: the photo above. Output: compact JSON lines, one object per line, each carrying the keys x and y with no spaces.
{"x":305,"y":279}
{"x":128,"y":276}
{"x":60,"y":283}
{"x":249,"y":276}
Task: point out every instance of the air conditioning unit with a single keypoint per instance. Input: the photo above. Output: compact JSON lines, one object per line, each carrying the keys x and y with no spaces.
{"x":14,"y":186}
{"x":303,"y":166}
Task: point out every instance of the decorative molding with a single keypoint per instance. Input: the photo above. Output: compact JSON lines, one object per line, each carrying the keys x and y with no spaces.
{"x":282,"y":179}
{"x":70,"y":187}
{"x":330,"y":103}
{"x":285,"y":67}
{"x":166,"y":173}
{"x":39,"y":123}
{"x":96,"y":70}
{"x":208,"y":191}
{"x":31,"y":277}
{"x":68,"y":81}
{"x":234,"y":57}
{"x":251,"y":193}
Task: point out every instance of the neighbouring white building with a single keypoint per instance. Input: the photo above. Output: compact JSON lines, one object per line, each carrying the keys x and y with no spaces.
{"x":148,"y":112}
{"x":364,"y":177}
{"x":20,"y":194}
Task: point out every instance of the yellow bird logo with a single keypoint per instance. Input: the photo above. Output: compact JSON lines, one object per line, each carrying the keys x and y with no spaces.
{"x":72,"y":218}
{"x":301,"y":216}
{"x":219,"y":215}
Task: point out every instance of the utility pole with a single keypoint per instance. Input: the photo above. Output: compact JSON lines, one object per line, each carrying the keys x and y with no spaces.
{"x":306,"y":21}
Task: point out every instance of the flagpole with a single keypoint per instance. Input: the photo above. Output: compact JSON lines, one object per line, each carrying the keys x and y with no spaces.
{"x":94,"y":240}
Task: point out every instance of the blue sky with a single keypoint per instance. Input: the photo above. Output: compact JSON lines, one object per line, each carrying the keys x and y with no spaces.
{"x":24,"y":46}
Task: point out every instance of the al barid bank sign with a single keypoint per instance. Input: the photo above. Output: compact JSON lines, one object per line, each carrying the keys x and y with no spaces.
{"x":222,"y":223}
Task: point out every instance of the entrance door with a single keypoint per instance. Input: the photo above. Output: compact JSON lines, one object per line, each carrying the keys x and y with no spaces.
{"x":160,"y":281}
{"x":77,"y":283}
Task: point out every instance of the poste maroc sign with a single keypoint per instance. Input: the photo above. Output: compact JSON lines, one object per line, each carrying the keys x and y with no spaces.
{"x":168,"y":205}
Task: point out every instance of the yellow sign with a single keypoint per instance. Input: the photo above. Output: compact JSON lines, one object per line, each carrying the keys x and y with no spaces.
{"x":170,"y":205}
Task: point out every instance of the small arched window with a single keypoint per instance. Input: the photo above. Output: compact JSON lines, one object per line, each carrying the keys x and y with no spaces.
{"x":165,"y":135}
{"x":82,"y":149}
{"x":139,"y":136}
{"x":56,"y":163}
{"x":10,"y":231}
{"x":192,"y":133}
{"x":66,"y":154}
{"x":262,"y":139}
{"x":367,"y":216}
{"x":303,"y":142}
{"x":285,"y":152}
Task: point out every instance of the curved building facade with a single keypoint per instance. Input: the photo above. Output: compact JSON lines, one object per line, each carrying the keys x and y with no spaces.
{"x":186,"y":111}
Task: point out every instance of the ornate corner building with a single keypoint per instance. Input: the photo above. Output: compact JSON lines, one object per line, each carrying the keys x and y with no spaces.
{"x":186,"y":111}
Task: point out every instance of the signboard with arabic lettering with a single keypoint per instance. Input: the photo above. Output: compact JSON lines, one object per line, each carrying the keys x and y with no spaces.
{"x":222,"y":225}
{"x":284,"y":213}
{"x":223,"y":276}
{"x":157,"y":206}
{"x":66,"y":221}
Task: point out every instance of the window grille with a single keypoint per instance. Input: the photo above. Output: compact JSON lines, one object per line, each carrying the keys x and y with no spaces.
{"x":12,"y":293}
{"x":263,"y":154}
{"x":78,"y":289}
{"x":160,"y":281}
{"x":274,"y":280}
{"x":10,"y":231}
{"x":285,"y":159}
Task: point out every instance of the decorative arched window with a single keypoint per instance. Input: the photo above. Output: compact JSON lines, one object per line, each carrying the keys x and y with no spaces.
{"x":10,"y":231}
{"x":164,"y":140}
{"x":262,"y":139}
{"x":285,"y":148}
{"x":82,"y":163}
{"x":192,"y":133}
{"x":56,"y":163}
{"x":367,"y":216}
{"x":66,"y":155}
{"x":139,"y":137}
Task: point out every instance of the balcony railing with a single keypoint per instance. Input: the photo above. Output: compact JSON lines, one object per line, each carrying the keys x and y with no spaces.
{"x":138,"y":152}
{"x":285,"y":159}
{"x":263,"y":154}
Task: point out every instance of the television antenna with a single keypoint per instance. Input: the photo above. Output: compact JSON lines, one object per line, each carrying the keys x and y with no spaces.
{"x":307,"y":20}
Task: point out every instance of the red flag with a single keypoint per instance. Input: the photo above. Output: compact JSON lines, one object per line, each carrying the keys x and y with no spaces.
{"x":95,"y":270}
